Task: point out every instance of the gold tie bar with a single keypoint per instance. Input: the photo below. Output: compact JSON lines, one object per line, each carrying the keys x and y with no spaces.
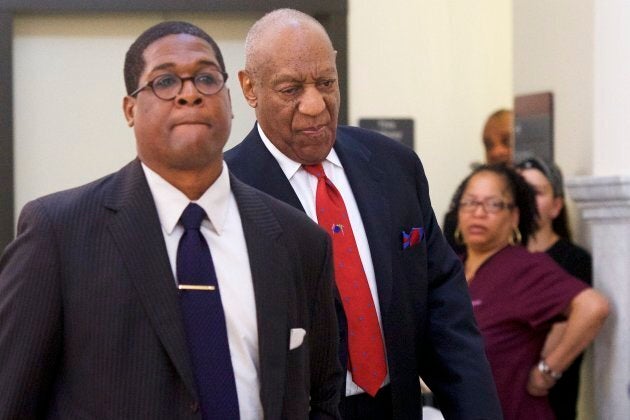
{"x":195,"y":287}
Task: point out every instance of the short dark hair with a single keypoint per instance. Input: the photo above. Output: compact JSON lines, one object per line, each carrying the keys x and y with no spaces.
{"x":524,"y":196}
{"x":134,"y":59}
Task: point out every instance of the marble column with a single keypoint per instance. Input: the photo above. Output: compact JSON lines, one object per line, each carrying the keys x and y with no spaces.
{"x":604,"y":205}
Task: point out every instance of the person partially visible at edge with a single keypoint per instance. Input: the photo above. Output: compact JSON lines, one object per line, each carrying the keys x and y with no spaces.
{"x":498,"y":143}
{"x":517,"y":295}
{"x":414,"y":295}
{"x":109,"y":300}
{"x":498,"y":137}
{"x":554,"y":237}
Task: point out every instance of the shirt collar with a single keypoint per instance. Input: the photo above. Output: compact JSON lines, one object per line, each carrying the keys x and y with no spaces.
{"x":171,"y":202}
{"x":288,"y":165}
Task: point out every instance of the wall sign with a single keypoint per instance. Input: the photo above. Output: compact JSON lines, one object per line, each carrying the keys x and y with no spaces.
{"x":400,"y":129}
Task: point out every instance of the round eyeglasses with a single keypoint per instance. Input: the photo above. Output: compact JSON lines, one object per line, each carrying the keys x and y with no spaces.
{"x":168,"y":86}
{"x":489,"y":205}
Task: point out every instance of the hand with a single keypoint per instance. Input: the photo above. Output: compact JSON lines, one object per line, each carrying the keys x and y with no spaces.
{"x":539,"y":384}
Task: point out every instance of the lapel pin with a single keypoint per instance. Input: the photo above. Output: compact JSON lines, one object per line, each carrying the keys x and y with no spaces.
{"x":337,"y":229}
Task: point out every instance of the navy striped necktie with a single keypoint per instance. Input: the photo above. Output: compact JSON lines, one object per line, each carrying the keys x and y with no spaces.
{"x":204,"y":320}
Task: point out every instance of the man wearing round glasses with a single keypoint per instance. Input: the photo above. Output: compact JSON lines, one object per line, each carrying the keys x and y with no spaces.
{"x":168,"y":86}
{"x":181,"y":113}
{"x":169,"y":289}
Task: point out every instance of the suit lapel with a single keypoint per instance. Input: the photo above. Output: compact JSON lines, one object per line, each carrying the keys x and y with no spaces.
{"x":136,"y":230}
{"x":262,"y":171}
{"x":268,"y":258}
{"x":369,"y":192}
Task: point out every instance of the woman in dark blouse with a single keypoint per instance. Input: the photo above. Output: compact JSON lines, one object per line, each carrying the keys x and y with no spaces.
{"x":554,"y":237}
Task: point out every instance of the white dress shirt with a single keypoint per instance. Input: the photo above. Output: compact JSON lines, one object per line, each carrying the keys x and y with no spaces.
{"x":305,"y":186}
{"x":224,"y":233}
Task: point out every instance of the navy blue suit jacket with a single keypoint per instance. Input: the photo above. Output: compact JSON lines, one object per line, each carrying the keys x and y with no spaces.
{"x":426,"y":310}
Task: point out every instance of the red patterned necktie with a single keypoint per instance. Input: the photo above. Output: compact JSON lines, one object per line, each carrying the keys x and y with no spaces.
{"x":365,"y":343}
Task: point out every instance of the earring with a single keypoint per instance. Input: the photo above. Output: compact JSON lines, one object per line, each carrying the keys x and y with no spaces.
{"x":459,"y":238}
{"x":515,"y":238}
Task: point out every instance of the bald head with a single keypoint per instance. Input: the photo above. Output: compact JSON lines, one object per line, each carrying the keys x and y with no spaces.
{"x":498,"y":137}
{"x":290,"y":79}
{"x":271,"y":31}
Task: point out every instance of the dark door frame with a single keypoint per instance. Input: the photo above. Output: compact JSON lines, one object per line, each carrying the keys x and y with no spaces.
{"x":331,"y":13}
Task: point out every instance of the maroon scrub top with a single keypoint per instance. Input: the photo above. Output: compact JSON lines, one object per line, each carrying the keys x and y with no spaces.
{"x":516,"y":297}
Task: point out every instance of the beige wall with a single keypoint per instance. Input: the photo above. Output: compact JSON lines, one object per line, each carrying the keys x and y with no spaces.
{"x":447,"y":64}
{"x":553,"y":51}
{"x":611,"y":142}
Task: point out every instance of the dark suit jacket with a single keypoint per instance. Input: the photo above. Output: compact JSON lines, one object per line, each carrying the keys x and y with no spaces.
{"x":90,"y":325}
{"x":425,"y":307}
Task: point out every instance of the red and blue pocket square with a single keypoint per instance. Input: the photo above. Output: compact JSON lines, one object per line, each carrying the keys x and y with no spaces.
{"x":412,"y":238}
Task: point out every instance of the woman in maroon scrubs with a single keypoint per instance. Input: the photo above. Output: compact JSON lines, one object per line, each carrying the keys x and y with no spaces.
{"x":518,"y":295}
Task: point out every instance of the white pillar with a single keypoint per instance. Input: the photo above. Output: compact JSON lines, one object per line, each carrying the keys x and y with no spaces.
{"x":604,"y":201}
{"x":605,"y":207}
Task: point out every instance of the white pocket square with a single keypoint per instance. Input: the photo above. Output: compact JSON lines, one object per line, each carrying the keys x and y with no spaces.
{"x":296,"y":338}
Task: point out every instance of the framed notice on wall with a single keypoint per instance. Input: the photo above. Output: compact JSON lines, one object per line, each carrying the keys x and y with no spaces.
{"x":533,"y":125}
{"x":400,"y":129}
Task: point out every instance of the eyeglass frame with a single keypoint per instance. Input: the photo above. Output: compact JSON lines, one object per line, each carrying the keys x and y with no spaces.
{"x":182,"y":80}
{"x":471,"y":205}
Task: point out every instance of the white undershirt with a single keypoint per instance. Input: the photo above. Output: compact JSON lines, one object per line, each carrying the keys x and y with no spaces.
{"x":305,"y":186}
{"x":224,"y":233}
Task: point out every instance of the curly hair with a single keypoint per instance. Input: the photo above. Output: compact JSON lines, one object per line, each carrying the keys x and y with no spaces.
{"x":524,"y":197}
{"x":134,"y":59}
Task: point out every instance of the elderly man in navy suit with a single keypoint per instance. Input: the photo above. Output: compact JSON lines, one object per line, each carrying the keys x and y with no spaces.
{"x":169,"y":289}
{"x":402,"y":299}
